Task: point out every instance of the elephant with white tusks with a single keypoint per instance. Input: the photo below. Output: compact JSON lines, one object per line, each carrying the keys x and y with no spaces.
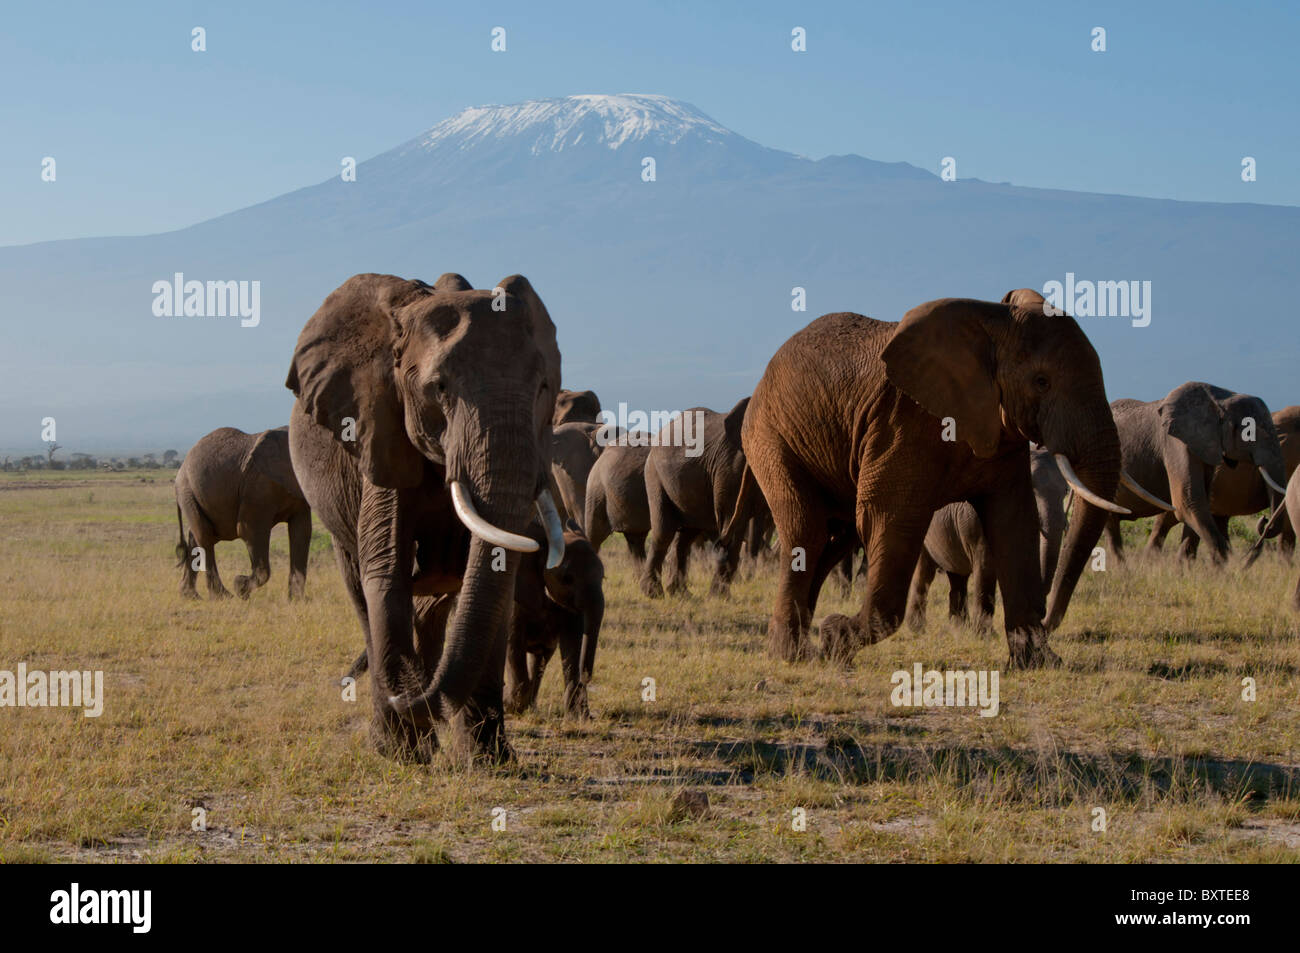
{"x":421,"y":436}
{"x":1172,"y":446}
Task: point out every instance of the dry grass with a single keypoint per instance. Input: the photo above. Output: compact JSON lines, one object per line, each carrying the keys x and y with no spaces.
{"x":234,"y":706}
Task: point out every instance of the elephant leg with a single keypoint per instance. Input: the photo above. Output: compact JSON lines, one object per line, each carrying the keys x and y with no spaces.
{"x":385,"y":560}
{"x":986,"y":582}
{"x":188,"y":575}
{"x":520,"y":692}
{"x":843,"y":573}
{"x":484,"y":713}
{"x":1286,"y":541}
{"x":922,"y":577}
{"x":1116,"y":538}
{"x":895,"y":541}
{"x":1189,"y":544}
{"x":257,"y":538}
{"x":299,"y":550}
{"x":832,"y":556}
{"x":802,"y":534}
{"x":430,"y":614}
{"x":1010,"y":532}
{"x":1189,"y":487}
{"x":1160,"y":529}
{"x":681,"y":559}
{"x":664,"y":525}
{"x":957,"y":595}
{"x":728,"y":563}
{"x":636,"y":546}
{"x":347,"y":563}
{"x":216,"y":590}
{"x":575,"y":691}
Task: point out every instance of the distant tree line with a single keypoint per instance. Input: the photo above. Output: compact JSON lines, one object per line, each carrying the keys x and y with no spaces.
{"x":85,"y":461}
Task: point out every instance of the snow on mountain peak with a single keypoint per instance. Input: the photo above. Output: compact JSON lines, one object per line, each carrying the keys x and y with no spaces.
{"x":554,"y":125}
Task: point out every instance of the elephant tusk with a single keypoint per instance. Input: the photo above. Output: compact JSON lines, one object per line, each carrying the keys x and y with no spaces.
{"x":1271,"y":485}
{"x":1136,"y":489}
{"x":481,"y":528}
{"x":1076,"y":484}
{"x":554,"y":528}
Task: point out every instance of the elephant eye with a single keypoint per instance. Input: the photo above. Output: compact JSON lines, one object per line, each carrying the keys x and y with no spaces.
{"x":1042,"y":384}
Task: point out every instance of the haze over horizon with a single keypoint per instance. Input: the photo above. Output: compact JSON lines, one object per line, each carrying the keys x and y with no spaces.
{"x":668,"y":293}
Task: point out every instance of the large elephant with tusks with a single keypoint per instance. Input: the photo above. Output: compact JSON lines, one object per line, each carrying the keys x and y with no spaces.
{"x":421,"y":436}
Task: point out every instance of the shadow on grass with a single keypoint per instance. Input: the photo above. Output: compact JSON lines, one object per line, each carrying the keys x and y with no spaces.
{"x":1020,"y":774}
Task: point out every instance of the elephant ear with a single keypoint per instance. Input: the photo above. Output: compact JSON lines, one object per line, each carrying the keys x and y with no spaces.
{"x":1193,"y":415}
{"x":343,"y":376}
{"x":518,"y":287}
{"x":1024,"y":298}
{"x":735,"y":419}
{"x":943,"y":357}
{"x":450,"y":281}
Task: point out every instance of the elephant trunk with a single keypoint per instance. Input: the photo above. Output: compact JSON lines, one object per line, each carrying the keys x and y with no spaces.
{"x":592,"y":615}
{"x":504,"y":502}
{"x":1098,"y":468}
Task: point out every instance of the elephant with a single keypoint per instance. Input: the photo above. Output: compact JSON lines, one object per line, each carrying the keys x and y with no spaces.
{"x":576,"y":406}
{"x":692,"y":480}
{"x":616,"y":498}
{"x":421,"y":435}
{"x":563,"y":606}
{"x":861,"y":429}
{"x":1172,"y":447}
{"x":575,"y":447}
{"x":235,"y":485}
{"x":1287,"y":512}
{"x":955,"y":544}
{"x":1241,"y":491}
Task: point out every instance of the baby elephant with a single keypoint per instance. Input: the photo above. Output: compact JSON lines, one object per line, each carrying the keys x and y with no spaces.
{"x":561,"y":607}
{"x":234,"y":485}
{"x":955,"y":544}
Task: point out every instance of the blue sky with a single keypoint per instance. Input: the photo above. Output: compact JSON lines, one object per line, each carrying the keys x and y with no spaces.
{"x":150,"y":136}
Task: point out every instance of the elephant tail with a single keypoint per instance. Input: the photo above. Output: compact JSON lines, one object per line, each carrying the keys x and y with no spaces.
{"x":181,"y":550}
{"x":1267,"y":531}
{"x":744,"y":503}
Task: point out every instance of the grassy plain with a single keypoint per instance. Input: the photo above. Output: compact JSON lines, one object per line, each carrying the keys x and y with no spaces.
{"x":234,"y":707}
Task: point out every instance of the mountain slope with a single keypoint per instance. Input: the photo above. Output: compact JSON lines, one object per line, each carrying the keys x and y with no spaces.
{"x":667,"y":293}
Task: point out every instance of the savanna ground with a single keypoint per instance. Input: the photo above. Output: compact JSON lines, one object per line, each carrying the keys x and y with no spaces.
{"x":235,"y":707}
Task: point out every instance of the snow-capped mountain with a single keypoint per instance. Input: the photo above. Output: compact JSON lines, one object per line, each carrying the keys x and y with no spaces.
{"x":552,"y":125}
{"x":671,"y":290}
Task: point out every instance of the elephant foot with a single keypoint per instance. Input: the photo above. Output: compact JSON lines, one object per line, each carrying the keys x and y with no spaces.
{"x":222,"y":593}
{"x":787,"y":644}
{"x":243,"y":586}
{"x":1028,"y":649}
{"x":651,"y":588}
{"x":575,"y":703}
{"x":520,"y":700}
{"x":840,"y":639}
{"x":188,"y":592}
{"x":677,"y":587}
{"x":396,"y":738}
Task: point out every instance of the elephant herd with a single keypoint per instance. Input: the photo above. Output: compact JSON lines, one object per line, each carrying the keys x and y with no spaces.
{"x":468,"y":495}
